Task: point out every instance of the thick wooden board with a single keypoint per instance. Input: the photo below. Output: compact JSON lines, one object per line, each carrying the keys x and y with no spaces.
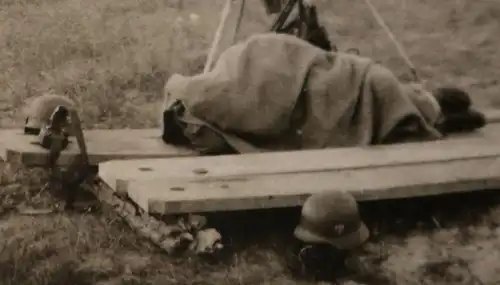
{"x":287,"y":190}
{"x":492,"y":115}
{"x":119,"y":173}
{"x":283,"y":179}
{"x":102,"y":145}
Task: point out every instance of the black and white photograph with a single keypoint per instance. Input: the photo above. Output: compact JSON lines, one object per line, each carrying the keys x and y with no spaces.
{"x":260,"y":142}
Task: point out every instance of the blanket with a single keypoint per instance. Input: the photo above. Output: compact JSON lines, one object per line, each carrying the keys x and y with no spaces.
{"x":278,"y":92}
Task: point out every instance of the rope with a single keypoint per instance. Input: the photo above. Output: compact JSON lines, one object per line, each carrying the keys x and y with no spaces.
{"x":392,"y":37}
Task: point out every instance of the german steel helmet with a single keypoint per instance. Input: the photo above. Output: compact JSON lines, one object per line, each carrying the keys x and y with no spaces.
{"x":332,"y":218}
{"x":39,"y":111}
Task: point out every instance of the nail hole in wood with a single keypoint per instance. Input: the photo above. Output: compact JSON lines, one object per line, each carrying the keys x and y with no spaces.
{"x":145,"y":169}
{"x":200,"y":171}
{"x":177,"y":188}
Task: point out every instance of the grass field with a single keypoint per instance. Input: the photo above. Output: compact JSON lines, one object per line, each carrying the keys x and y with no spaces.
{"x":113,"y":56}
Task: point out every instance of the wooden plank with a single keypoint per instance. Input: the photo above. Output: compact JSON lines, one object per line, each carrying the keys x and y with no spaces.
{"x":119,"y":173}
{"x":492,"y":115}
{"x":103,"y":145}
{"x":284,"y":190}
{"x":15,"y":147}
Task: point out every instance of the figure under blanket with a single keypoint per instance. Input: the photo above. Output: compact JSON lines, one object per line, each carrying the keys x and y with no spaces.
{"x":277,"y":92}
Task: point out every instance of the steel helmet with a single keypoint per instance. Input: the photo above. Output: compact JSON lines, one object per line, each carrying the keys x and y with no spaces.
{"x":39,"y":111}
{"x":332,"y":218}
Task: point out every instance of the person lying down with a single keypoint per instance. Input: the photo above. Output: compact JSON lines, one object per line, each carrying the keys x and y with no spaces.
{"x":277,"y":92}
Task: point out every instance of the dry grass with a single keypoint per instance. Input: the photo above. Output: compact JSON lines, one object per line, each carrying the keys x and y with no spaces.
{"x":113,"y":56}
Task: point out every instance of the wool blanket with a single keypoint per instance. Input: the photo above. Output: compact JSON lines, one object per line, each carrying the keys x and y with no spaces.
{"x":278,"y":92}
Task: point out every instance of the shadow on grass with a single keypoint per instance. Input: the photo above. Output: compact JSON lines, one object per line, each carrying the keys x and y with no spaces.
{"x":397,"y":217}
{"x":33,"y":268}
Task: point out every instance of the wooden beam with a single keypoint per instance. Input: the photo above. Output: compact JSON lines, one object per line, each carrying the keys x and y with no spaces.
{"x":282,"y":179}
{"x":119,"y":173}
{"x":492,"y":116}
{"x":103,"y":145}
{"x":164,"y":196}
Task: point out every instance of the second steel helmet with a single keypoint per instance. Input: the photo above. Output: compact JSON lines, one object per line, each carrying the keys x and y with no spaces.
{"x":332,"y":218}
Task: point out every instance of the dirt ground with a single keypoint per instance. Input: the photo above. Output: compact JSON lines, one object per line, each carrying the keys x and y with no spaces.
{"x":113,"y":56}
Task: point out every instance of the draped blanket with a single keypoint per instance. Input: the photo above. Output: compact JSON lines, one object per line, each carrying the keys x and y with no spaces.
{"x":278,"y":92}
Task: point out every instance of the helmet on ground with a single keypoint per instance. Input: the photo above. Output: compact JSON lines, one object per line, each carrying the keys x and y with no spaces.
{"x":332,"y":218}
{"x":39,"y":111}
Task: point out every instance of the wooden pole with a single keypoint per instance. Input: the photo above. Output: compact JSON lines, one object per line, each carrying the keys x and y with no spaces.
{"x":226,"y":31}
{"x":394,"y":40}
